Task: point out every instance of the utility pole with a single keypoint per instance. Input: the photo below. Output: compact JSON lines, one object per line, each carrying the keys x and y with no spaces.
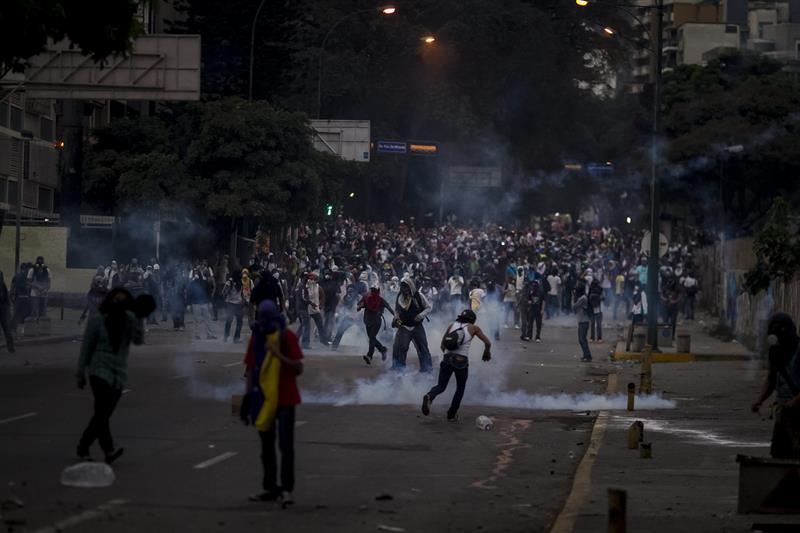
{"x":654,"y":262}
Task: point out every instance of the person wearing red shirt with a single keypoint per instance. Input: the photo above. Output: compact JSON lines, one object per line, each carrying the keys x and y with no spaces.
{"x":269,"y":320}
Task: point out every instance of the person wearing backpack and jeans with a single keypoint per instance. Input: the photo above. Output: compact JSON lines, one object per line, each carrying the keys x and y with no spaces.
{"x":455,"y":345}
{"x":410,"y":311}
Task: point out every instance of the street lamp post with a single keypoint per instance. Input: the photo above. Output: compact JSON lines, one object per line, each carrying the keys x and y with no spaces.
{"x":654,"y":261}
{"x":386,"y":10}
{"x":252,"y":50}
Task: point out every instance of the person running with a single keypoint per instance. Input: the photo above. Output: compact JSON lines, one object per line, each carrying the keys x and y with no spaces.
{"x":581,"y":308}
{"x":104,"y":358}
{"x":455,"y":345}
{"x":273,"y":361}
{"x":373,"y":306}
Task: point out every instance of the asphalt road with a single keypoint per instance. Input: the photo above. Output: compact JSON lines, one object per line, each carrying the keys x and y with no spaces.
{"x":189,"y":464}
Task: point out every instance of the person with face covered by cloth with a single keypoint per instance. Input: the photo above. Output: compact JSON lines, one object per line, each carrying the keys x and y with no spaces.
{"x":411,"y":309}
{"x":783,"y":378}
{"x":39,"y":281}
{"x":273,"y":361}
{"x":373,"y":306}
{"x":268,"y":288}
{"x":104,"y":359}
{"x":455,"y":344}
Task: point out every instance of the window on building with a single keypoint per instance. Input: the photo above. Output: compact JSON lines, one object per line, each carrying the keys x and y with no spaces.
{"x":45,"y":200}
{"x":46,"y":129}
{"x":3,"y":190}
{"x":12,"y":192}
{"x":4,"y":115}
{"x":16,"y":118}
{"x":731,"y":28}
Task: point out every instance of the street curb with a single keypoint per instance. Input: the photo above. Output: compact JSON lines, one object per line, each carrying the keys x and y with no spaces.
{"x":680,"y":357}
{"x":36,"y":341}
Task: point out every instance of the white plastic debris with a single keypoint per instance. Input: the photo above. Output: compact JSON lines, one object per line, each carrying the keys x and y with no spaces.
{"x":484,"y":423}
{"x":88,"y":475}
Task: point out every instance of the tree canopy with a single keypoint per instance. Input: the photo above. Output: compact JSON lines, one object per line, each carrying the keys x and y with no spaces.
{"x":99,"y":28}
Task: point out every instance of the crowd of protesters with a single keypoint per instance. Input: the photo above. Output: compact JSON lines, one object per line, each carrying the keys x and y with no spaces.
{"x":520,"y":277}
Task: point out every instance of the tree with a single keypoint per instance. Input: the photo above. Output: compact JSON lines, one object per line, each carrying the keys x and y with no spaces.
{"x":777,"y":249}
{"x":99,"y":28}
{"x":738,"y":99}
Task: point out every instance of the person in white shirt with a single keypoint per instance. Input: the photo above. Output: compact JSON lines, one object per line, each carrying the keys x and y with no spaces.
{"x":690,"y":287}
{"x":456,"y":287}
{"x":476,"y":295}
{"x":554,"y":280}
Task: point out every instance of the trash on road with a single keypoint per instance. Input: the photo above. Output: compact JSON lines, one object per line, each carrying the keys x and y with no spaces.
{"x":88,"y":475}
{"x":484,"y":423}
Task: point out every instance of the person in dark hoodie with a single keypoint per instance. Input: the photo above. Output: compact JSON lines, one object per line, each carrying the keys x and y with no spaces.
{"x":783,"y":378}
{"x":373,"y":305}
{"x":5,"y":314}
{"x":410,"y":312}
{"x":268,"y":288}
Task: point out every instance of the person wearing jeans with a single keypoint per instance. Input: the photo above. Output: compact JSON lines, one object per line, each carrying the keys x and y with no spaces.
{"x":580,"y":306}
{"x":410,"y":311}
{"x":272,"y":343}
{"x":373,"y":305}
{"x":104,"y":358}
{"x":455,"y":344}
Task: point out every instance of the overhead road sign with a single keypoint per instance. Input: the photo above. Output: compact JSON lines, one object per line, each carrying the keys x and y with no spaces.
{"x":600,"y":168}
{"x":159,"y":67}
{"x":391,"y":147}
{"x":423,"y":148}
{"x":469,"y":176}
{"x":349,"y":139}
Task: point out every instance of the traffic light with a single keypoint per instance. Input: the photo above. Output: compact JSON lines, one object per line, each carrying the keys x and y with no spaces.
{"x":328,"y":210}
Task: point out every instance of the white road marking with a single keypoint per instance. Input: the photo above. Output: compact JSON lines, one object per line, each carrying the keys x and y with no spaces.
{"x":232,"y":364}
{"x":15,"y":418}
{"x":214,"y":460}
{"x":85,"y":516}
{"x":300,"y":423}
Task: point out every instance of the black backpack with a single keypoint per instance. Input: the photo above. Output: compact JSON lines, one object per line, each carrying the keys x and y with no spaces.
{"x":453,"y":339}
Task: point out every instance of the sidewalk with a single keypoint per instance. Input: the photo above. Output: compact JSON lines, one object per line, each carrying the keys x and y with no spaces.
{"x":703,"y":347}
{"x":59,"y":330}
{"x":691,"y":481}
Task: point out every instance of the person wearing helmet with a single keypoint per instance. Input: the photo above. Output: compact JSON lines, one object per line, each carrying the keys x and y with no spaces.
{"x":783,"y":378}
{"x":455,"y":344}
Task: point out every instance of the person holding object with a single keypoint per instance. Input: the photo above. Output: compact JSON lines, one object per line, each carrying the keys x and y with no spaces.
{"x":104,"y":358}
{"x":410,"y":311}
{"x":455,"y":344}
{"x":583,"y":314}
{"x":273,"y":362}
{"x":783,"y":378}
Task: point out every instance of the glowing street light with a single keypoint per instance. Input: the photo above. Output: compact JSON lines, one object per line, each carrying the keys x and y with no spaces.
{"x":582,"y":3}
{"x":628,"y":220}
{"x":429,"y":39}
{"x":389,"y":10}
{"x":352,"y":195}
{"x":609,"y":31}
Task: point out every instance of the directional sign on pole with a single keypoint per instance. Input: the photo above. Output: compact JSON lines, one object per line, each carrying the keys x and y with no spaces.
{"x":391,"y":147}
{"x":663,"y":244}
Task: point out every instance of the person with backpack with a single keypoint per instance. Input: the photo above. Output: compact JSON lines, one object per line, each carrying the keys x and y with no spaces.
{"x":39,"y":281}
{"x":783,"y":378}
{"x":373,"y":306}
{"x":455,"y":344}
{"x":581,"y":308}
{"x":596,"y":310}
{"x":411,"y":309}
